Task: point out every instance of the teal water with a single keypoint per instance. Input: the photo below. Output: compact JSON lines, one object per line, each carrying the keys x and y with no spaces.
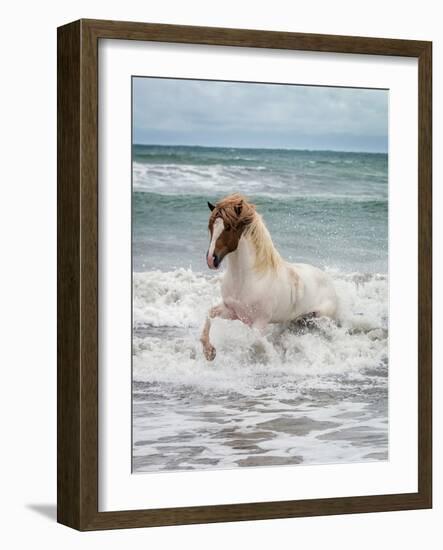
{"x":322,"y":207}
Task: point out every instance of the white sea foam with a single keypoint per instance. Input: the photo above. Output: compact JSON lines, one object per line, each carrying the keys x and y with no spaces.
{"x":191,"y":178}
{"x":173,"y":299}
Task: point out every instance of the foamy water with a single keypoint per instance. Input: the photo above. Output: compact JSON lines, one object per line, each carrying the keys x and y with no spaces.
{"x":300,"y":394}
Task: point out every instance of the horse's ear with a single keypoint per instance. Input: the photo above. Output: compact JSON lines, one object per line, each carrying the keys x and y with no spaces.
{"x":238,"y":208}
{"x":211,"y":206}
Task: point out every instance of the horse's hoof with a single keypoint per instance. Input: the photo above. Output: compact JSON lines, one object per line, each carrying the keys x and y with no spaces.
{"x":210,"y":353}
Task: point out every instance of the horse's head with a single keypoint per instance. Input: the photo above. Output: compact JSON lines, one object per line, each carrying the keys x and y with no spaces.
{"x":227,"y":221}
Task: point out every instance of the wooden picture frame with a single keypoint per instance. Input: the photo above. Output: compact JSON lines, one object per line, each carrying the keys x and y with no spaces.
{"x":77,"y":456}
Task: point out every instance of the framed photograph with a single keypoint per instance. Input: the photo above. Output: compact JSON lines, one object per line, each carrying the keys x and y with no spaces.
{"x":244,"y":275}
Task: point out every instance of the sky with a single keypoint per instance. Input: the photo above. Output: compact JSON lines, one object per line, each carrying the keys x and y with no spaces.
{"x":235,"y":114}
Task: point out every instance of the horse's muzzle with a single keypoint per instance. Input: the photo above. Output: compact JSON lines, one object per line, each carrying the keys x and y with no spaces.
{"x":213,"y":262}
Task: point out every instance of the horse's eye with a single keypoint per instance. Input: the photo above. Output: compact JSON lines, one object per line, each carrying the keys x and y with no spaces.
{"x":227,"y":228}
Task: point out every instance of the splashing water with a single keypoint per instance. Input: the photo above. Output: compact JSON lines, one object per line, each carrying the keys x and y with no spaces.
{"x":299,"y":394}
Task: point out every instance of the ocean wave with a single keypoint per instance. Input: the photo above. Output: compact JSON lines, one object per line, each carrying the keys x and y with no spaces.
{"x":257,"y":180}
{"x":192,"y":178}
{"x":169,"y":310}
{"x":178,"y":298}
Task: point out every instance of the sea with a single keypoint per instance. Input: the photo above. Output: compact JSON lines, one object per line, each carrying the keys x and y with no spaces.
{"x":300,"y":394}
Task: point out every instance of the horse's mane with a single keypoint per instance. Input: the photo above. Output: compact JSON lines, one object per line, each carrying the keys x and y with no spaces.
{"x":238,"y":212}
{"x":266,"y":255}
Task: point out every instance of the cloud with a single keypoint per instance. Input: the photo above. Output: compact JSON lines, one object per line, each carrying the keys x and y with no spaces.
{"x":173,"y":111}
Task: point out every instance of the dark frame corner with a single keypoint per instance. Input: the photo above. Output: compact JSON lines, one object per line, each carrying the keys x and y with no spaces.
{"x":77,"y":318}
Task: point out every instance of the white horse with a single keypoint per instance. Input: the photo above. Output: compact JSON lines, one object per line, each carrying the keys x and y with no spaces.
{"x":259,"y":287}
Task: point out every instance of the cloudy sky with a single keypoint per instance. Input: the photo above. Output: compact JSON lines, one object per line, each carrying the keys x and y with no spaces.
{"x":231,"y":114}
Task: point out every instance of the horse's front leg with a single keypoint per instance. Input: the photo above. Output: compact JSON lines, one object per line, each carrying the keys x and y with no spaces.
{"x":217,"y":311}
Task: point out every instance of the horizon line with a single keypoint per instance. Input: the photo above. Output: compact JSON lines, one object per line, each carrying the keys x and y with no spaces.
{"x":259,"y":148}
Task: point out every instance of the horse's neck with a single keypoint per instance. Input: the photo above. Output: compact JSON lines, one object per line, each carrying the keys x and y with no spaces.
{"x":255,"y":253}
{"x":241,"y":262}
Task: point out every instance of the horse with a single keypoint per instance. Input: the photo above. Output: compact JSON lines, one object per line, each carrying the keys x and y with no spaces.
{"x":259,"y":287}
